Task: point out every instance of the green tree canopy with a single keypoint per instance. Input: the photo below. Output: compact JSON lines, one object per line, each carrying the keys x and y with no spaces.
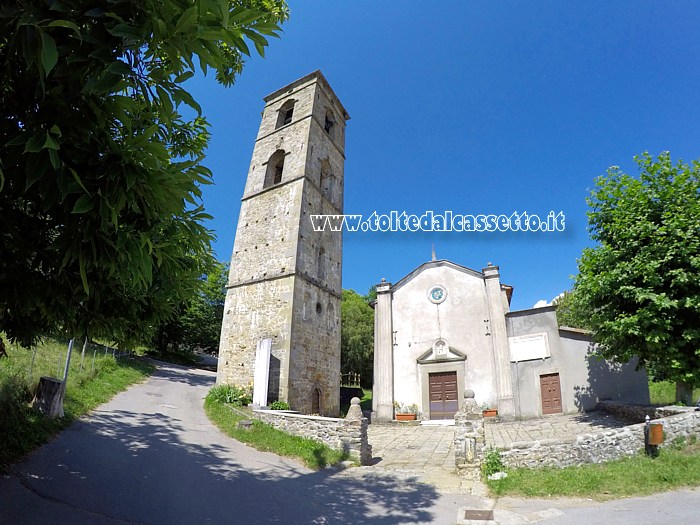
{"x":567,"y":313}
{"x":197,"y":323}
{"x":357,"y":337}
{"x":102,"y":229}
{"x":639,"y":289}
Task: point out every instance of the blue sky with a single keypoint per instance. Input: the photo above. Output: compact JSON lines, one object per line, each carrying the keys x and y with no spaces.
{"x":474,"y":107}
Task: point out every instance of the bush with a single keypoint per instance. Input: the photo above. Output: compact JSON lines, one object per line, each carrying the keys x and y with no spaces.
{"x":231,"y":394}
{"x":14,"y":415}
{"x":492,"y":463}
{"x":279,"y":405}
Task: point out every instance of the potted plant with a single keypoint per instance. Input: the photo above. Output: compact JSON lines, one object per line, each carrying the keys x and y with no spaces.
{"x":487,"y":411}
{"x":405,"y":412}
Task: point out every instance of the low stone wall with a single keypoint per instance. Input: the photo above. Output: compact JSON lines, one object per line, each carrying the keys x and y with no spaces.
{"x":348,"y":435}
{"x":638,"y":413}
{"x":598,"y":447}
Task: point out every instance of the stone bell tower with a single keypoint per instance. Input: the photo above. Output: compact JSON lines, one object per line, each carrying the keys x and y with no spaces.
{"x":285,"y":279}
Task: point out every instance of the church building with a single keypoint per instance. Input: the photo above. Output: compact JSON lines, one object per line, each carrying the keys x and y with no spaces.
{"x":445,"y":328}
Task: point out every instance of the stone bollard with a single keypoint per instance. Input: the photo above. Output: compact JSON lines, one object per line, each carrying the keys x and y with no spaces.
{"x":356,"y":418}
{"x":469,"y":442}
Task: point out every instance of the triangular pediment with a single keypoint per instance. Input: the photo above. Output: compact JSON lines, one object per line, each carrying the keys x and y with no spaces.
{"x":432,"y":357}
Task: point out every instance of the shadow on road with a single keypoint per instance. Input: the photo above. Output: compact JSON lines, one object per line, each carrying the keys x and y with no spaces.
{"x":135,"y":466}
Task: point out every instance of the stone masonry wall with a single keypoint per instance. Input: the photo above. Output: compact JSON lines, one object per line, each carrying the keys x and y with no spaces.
{"x":349,"y":435}
{"x":598,"y":447}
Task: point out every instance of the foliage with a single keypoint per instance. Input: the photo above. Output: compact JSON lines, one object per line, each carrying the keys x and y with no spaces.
{"x":102,"y":230}
{"x":197,"y":324}
{"x":402,"y":408}
{"x":639,"y":289}
{"x":675,"y":467}
{"x":23,"y":429}
{"x":231,"y":394}
{"x":567,"y":314}
{"x":664,"y":393}
{"x":279,"y":405}
{"x":492,"y":463}
{"x":357,"y":337}
{"x":371,"y":294}
{"x":263,"y":437}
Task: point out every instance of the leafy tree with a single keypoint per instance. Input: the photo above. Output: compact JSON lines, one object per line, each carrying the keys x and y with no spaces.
{"x":567,"y":312}
{"x":639,"y":289}
{"x":102,"y":229}
{"x":371,"y":294}
{"x":196,"y":324}
{"x":357,"y":337}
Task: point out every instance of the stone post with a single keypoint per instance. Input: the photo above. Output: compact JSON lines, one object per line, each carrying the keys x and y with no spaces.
{"x":499,"y":338}
{"x":383,"y":390}
{"x":469,"y":442}
{"x":355,"y":416}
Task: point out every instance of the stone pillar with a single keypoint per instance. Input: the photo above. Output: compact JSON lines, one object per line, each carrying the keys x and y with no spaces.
{"x":383,"y":388}
{"x":499,"y":339}
{"x":469,"y":441}
{"x":355,"y":417}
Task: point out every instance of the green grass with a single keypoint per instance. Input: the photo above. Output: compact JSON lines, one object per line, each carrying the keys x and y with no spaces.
{"x":23,"y":429}
{"x":264,"y":437}
{"x":664,"y":392}
{"x":677,"y":466}
{"x":366,"y":401}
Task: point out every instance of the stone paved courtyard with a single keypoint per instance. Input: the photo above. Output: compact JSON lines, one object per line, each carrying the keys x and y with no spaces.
{"x":560,"y":427}
{"x":425,"y":453}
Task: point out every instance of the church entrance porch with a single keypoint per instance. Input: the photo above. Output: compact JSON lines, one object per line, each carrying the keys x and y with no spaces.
{"x":443,"y":394}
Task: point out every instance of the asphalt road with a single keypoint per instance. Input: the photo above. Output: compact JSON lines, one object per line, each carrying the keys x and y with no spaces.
{"x":151,"y":456}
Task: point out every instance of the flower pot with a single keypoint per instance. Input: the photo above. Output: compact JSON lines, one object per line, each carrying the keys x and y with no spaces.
{"x":491,"y":412}
{"x":405,"y":417}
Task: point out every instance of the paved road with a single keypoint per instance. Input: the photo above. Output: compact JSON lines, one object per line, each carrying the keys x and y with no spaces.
{"x":151,"y":456}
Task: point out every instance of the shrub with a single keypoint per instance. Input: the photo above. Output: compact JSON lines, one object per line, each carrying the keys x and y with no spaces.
{"x":14,"y":415}
{"x":492,"y":463}
{"x":279,"y":405}
{"x":231,"y":394}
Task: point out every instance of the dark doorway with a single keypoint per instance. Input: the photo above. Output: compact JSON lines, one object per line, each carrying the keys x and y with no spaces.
{"x":551,"y":394}
{"x":443,"y":395}
{"x":316,"y":401}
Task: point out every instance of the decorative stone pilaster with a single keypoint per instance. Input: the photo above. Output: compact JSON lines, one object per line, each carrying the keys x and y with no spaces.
{"x":383,"y":390}
{"x":469,"y":442}
{"x":499,"y":339}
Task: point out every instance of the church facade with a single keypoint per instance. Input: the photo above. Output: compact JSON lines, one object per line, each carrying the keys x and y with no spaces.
{"x":445,"y":328}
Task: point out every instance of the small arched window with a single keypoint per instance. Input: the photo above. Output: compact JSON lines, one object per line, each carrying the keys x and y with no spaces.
{"x":321,"y":264}
{"x":331,"y":316}
{"x":329,"y":122}
{"x":275,"y":168}
{"x":285,"y":114}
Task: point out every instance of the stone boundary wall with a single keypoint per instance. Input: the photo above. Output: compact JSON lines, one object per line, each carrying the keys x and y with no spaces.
{"x":637,"y":413}
{"x":347,"y":435}
{"x":596,"y":448}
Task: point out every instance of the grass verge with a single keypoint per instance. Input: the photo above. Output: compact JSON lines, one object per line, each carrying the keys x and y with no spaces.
{"x":664,"y":392}
{"x":98,"y":379}
{"x":264,"y":437}
{"x":677,"y":466}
